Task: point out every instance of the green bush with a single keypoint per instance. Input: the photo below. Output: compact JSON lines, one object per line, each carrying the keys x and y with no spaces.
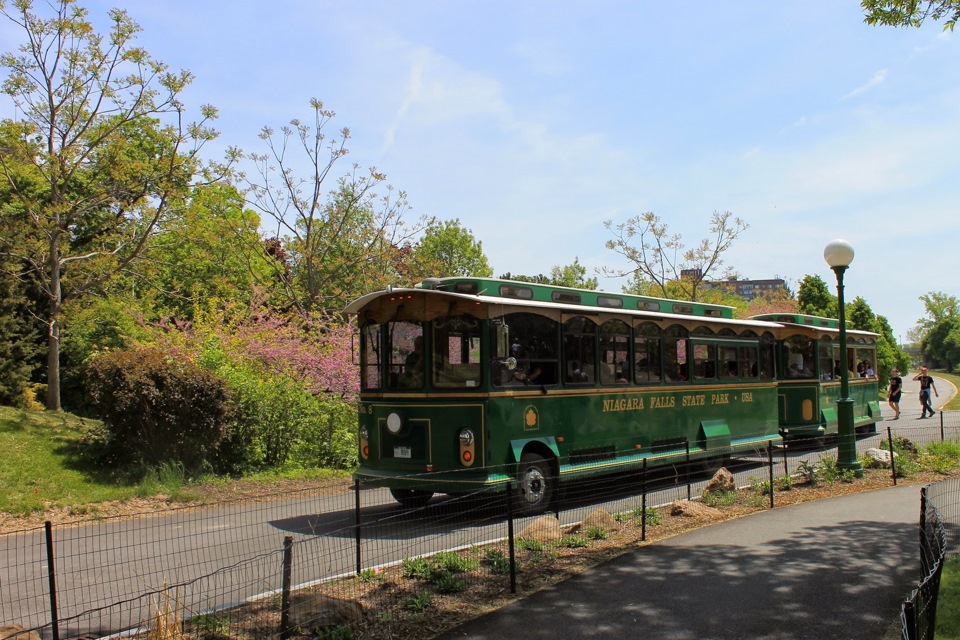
{"x":278,"y":423}
{"x":159,"y":407}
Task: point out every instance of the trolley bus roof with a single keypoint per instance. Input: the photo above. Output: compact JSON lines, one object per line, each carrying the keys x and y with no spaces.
{"x":427,"y":304}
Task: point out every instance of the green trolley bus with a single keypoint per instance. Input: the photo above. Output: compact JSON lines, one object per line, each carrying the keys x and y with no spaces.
{"x":809,"y":362}
{"x":472,"y":384}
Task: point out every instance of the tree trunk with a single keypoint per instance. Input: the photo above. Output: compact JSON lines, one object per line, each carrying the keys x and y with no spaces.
{"x":53,"y":366}
{"x":53,"y":328}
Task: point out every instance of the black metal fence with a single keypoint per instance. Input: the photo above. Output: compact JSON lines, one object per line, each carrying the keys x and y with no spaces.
{"x":939,"y":506}
{"x":322,"y":558}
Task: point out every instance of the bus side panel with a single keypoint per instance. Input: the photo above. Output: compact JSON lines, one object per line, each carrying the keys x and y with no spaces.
{"x":595,"y":428}
{"x":809,"y":409}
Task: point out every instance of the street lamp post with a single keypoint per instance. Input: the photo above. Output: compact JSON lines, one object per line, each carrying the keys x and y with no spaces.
{"x":839,"y":255}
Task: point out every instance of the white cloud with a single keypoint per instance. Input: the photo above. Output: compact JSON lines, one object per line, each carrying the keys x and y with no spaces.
{"x":878,"y":78}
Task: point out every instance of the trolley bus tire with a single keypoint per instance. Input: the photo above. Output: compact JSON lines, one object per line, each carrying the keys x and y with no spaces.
{"x":536,"y":484}
{"x":411,"y":498}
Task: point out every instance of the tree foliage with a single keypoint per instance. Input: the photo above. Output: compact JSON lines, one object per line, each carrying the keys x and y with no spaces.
{"x":572,"y":275}
{"x":911,"y":13}
{"x":100,"y":157}
{"x":814,"y":298}
{"x":18,"y":341}
{"x":661,"y":258}
{"x":212,"y":251}
{"x":339,"y":240}
{"x":447,"y":248}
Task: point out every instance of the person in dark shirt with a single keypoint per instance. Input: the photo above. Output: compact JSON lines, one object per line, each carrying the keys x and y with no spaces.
{"x":926,"y":386}
{"x":894,"y":392}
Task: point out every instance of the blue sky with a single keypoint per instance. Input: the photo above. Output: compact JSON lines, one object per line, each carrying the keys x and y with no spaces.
{"x":533,"y":122}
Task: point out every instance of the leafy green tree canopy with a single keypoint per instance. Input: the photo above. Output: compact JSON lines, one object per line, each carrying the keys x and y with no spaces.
{"x":911,"y":13}
{"x":814,"y":297}
{"x":103,"y":155}
{"x":447,"y":248}
{"x":572,"y":275}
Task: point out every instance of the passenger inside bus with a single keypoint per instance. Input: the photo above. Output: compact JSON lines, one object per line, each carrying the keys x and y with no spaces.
{"x":413,"y":366}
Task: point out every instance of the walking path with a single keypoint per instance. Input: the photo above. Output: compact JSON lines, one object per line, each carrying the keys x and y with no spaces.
{"x":832,"y":569}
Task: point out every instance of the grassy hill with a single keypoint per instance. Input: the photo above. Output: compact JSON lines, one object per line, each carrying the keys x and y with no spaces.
{"x":42,"y":465}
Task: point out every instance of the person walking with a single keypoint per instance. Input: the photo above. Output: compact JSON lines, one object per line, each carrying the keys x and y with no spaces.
{"x":894,"y":392}
{"x":926,"y":386}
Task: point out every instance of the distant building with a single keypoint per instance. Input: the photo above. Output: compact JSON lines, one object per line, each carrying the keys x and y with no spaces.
{"x":749,"y":289}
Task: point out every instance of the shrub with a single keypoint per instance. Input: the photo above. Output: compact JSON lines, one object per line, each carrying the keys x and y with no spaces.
{"x":279,"y":422}
{"x":159,"y":407}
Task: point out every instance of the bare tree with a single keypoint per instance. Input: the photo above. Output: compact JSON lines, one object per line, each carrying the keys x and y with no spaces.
{"x":340,"y":240}
{"x":660,"y":258}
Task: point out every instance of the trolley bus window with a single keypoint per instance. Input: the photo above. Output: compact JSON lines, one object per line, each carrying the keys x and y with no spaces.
{"x":866,"y":360}
{"x":829,"y":359}
{"x":614,"y":352}
{"x":370,"y":356}
{"x":729,"y":362}
{"x":767,"y":360}
{"x":580,"y":350}
{"x":749,"y":367}
{"x":675,"y":354}
{"x":797,"y":357}
{"x":533,"y":342}
{"x":704,"y":361}
{"x":407,"y":355}
{"x":456,"y":352}
{"x":646,"y":353}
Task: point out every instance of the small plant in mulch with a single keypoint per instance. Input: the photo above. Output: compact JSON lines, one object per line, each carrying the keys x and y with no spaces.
{"x":597,"y":533}
{"x":784,"y":483}
{"x":719,"y":498}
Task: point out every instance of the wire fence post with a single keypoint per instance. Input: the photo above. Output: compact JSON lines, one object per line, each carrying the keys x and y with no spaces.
{"x":942,"y":437}
{"x":643,"y":502}
{"x":285,"y":630}
{"x":510,"y":546}
{"x":356,"y":522}
{"x":893,"y":460}
{"x":909,"y":621}
{"x":786,"y":467}
{"x":687,"y":470}
{"x":52,"y":580}
{"x":770,"y":460}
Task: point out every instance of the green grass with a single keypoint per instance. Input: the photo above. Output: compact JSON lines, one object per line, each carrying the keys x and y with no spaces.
{"x":948,"y":603}
{"x":954,"y":403}
{"x":42,"y":466}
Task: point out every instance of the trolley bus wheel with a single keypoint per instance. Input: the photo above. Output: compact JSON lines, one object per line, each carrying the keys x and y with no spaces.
{"x":535,"y":484}
{"x":411,"y":498}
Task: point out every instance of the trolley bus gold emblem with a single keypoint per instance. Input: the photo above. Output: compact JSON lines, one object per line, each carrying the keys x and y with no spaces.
{"x":531,"y":419}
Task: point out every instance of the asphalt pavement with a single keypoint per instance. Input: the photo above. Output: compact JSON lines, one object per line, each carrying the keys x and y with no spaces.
{"x":832,"y":569}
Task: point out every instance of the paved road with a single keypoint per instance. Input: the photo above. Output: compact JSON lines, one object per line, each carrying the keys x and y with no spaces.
{"x":832,"y":569}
